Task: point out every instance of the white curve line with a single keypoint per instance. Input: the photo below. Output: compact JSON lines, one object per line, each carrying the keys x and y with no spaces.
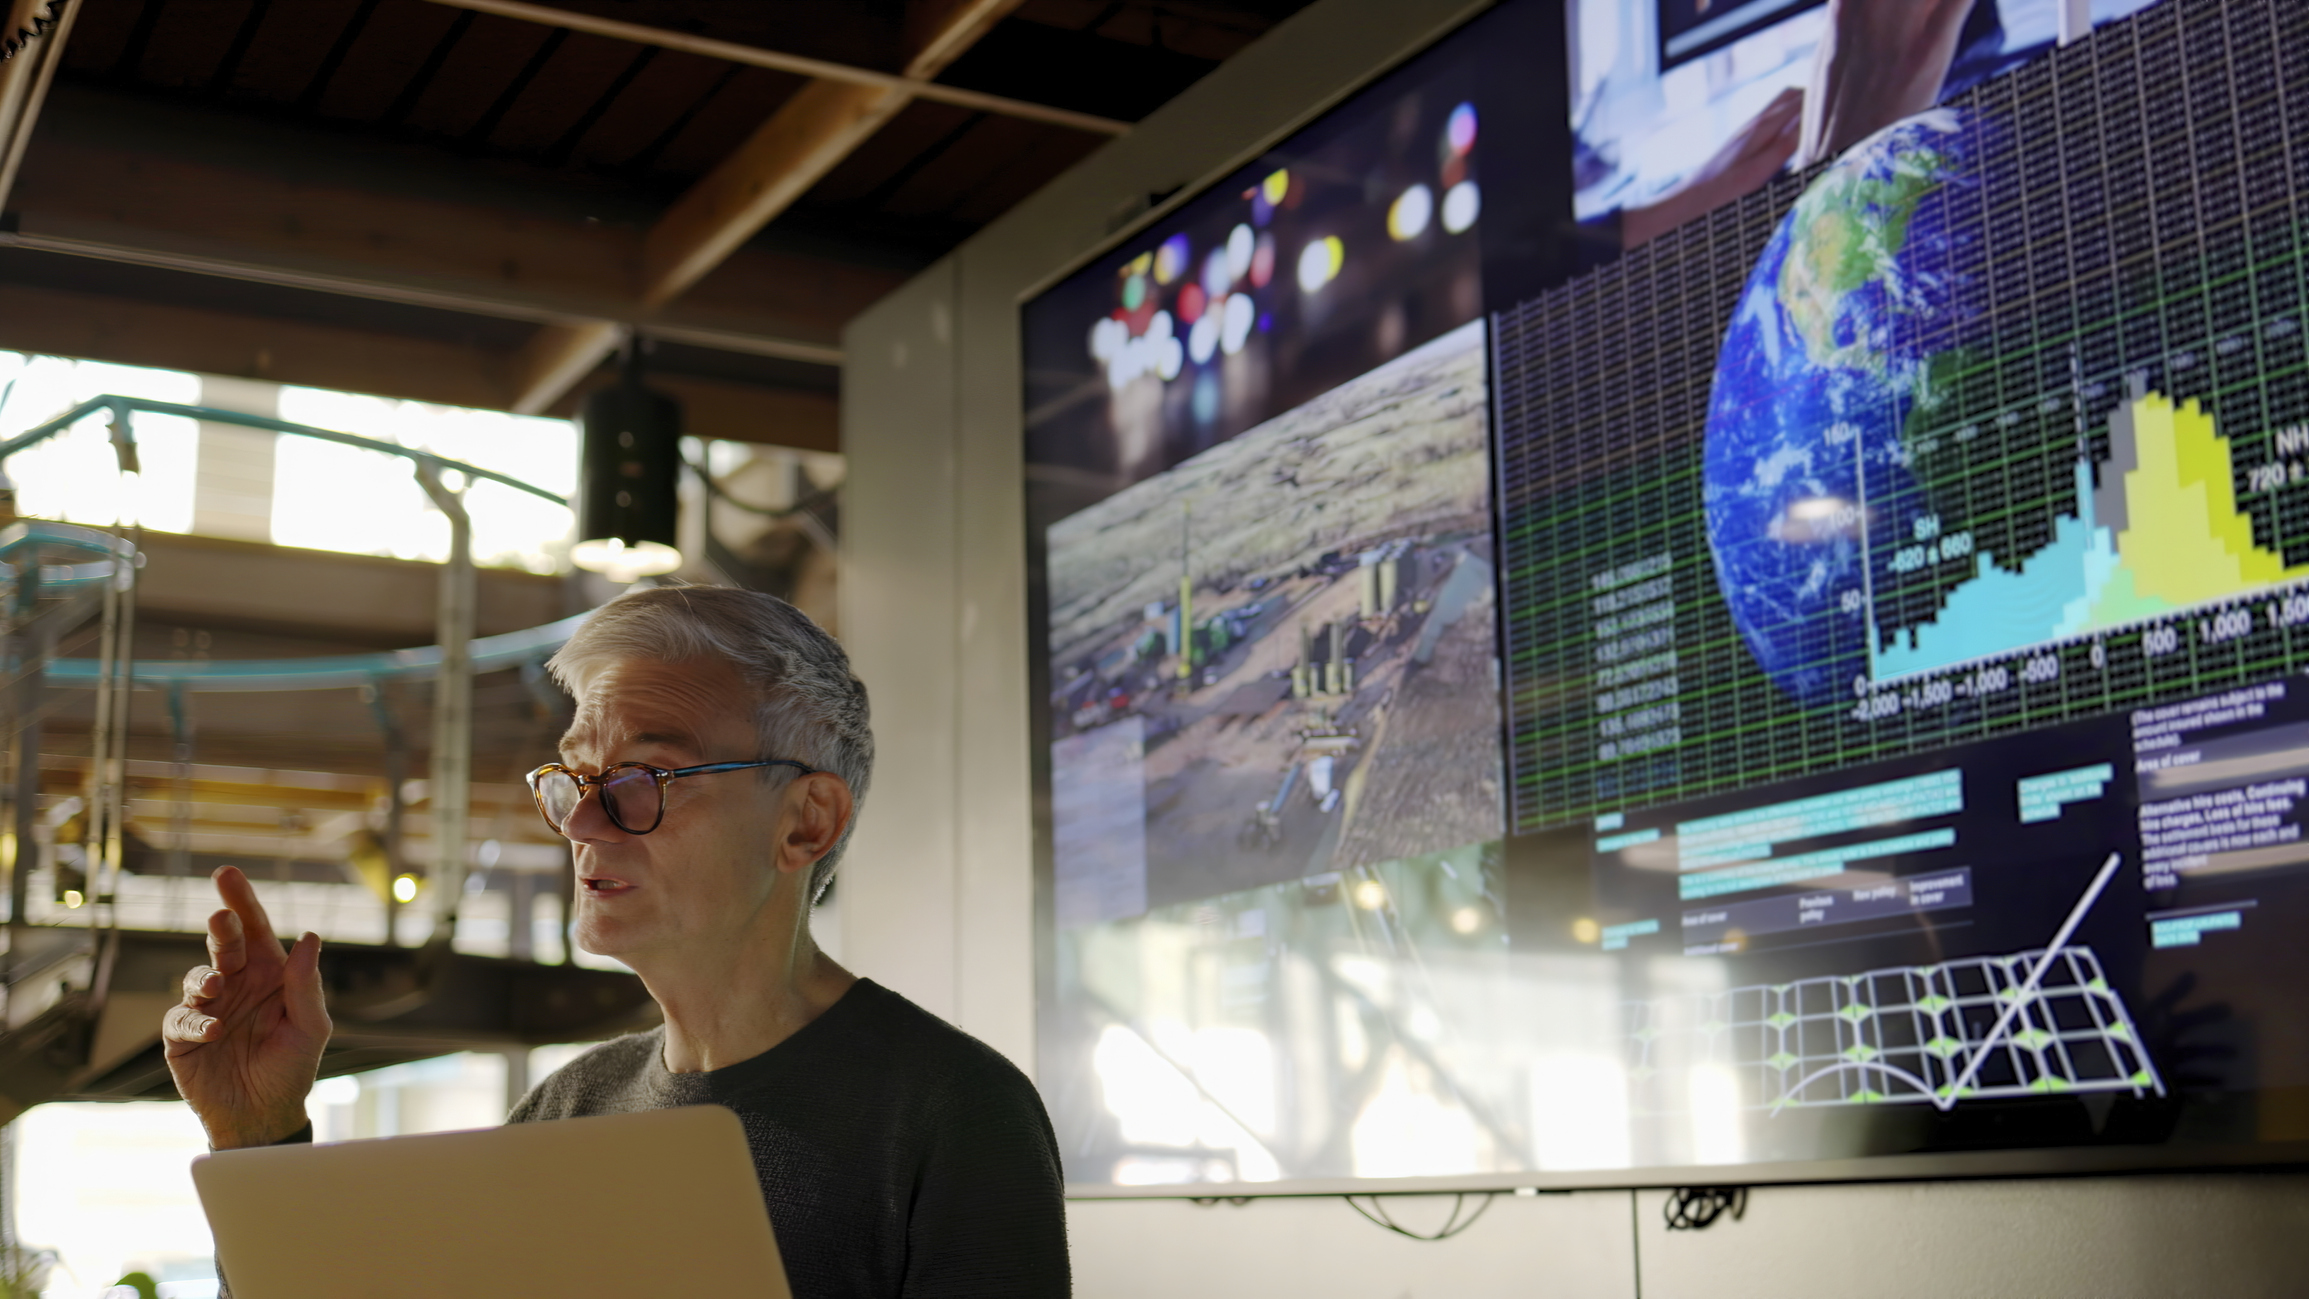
{"x":1788,"y":1097}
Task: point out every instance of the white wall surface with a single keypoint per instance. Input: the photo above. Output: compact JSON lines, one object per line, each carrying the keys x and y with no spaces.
{"x":900,"y":601}
{"x":937,"y":893}
{"x":2240,"y":1237}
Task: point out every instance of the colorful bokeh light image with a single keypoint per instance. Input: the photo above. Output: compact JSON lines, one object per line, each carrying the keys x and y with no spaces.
{"x":1347,"y":247}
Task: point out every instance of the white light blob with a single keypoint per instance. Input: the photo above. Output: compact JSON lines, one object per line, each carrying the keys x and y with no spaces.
{"x":1241,"y":243}
{"x":1235,"y":330}
{"x":1158,"y":352}
{"x":1107,"y":338}
{"x":1461,"y":206}
{"x":1203,"y":339}
{"x":1319,"y":263}
{"x":1216,"y":277}
{"x":1407,"y":219}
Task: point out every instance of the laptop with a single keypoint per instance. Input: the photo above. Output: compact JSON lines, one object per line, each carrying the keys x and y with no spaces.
{"x":659,"y":1203}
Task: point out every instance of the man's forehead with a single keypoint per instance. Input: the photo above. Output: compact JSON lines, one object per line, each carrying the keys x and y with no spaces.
{"x":645,"y":702}
{"x":586,"y":734}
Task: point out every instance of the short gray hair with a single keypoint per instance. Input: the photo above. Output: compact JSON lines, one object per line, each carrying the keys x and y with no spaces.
{"x":812,"y":707}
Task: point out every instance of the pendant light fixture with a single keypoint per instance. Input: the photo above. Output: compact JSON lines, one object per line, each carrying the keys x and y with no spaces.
{"x":628,"y":475}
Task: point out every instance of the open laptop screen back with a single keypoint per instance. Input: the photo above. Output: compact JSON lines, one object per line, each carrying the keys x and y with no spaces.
{"x":663,"y":1202}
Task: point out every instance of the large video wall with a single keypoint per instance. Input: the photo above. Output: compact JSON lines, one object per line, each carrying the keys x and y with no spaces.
{"x":1676,"y":586}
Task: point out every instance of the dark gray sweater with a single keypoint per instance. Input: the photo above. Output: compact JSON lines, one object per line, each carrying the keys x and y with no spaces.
{"x":899,"y":1156}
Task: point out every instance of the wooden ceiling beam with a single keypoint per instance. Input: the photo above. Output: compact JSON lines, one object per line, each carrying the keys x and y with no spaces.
{"x":154,"y":207}
{"x":778,"y":163}
{"x":935,"y":43}
{"x":808,"y":135}
{"x":557,"y":359}
{"x":129,"y":332}
{"x":941,"y":31}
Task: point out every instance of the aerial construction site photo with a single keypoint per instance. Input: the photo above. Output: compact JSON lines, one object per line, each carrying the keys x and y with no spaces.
{"x":1276,"y":659}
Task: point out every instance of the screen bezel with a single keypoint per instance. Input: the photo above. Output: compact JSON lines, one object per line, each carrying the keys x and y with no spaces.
{"x":2012,"y":1162}
{"x":1977,"y":1165}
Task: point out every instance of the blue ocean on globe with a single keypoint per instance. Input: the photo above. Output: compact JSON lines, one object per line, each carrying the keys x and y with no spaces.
{"x":1853,"y":313}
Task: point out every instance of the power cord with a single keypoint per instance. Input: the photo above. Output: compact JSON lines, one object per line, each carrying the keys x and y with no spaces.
{"x":1452,"y":1226}
{"x":1693,"y":1208}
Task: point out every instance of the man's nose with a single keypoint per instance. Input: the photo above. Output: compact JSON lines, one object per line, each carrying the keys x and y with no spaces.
{"x":589,"y":822}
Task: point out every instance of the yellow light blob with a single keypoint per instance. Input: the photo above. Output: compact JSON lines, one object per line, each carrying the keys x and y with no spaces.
{"x":1466,"y":920}
{"x":1586,"y":930}
{"x":1170,"y":259}
{"x":72,"y":899}
{"x":1319,"y":263}
{"x":405,"y":889}
{"x":1407,"y":218}
{"x":1276,"y":186}
{"x":1370,"y":896}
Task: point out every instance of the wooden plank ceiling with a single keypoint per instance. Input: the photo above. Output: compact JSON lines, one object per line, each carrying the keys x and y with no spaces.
{"x":471,"y":201}
{"x":423,"y":199}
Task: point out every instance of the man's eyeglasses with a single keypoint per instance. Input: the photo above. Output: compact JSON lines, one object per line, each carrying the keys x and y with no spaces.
{"x":632,"y":793}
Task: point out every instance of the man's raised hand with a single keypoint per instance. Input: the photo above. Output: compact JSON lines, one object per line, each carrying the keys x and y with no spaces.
{"x":246,"y":1041}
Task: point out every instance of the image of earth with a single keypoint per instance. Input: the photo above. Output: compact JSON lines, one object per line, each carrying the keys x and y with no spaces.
{"x":1856,"y":307}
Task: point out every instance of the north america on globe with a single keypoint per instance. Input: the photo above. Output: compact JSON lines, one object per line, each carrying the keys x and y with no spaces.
{"x":1854,"y":310}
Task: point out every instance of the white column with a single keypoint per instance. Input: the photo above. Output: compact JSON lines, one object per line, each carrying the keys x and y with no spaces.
{"x":2075,"y":20}
{"x":232,"y":494}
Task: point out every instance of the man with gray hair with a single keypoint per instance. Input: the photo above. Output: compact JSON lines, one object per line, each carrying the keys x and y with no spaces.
{"x":708,"y":785}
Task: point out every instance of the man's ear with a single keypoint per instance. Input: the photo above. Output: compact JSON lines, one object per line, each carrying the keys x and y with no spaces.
{"x":818,"y":809}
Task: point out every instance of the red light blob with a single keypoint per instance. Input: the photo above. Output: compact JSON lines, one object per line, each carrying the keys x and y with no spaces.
{"x":1263,"y":262}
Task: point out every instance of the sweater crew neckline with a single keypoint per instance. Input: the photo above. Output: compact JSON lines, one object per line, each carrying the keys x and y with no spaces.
{"x":707,"y":1083}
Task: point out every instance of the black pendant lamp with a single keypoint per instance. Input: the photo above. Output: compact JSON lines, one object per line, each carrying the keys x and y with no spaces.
{"x":628,"y":474}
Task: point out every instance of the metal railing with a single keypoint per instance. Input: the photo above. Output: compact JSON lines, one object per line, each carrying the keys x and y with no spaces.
{"x":453,"y":660}
{"x":391,"y":1004}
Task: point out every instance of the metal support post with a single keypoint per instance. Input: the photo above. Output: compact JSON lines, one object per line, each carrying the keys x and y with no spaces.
{"x":516,"y":1075}
{"x":104,"y":845}
{"x":396,"y":802}
{"x":123,"y":682}
{"x":180,"y":762}
{"x":449,"y":784}
{"x":97,"y":837}
{"x":520,"y":912}
{"x":565,"y":893}
{"x":29,"y":656}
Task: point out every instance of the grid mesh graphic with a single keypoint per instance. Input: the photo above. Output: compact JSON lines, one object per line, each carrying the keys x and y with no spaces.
{"x":1895,"y":1035}
{"x":2138,"y":196}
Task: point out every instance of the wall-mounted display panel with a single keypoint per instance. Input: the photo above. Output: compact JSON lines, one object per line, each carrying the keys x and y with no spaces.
{"x":1630,"y":604}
